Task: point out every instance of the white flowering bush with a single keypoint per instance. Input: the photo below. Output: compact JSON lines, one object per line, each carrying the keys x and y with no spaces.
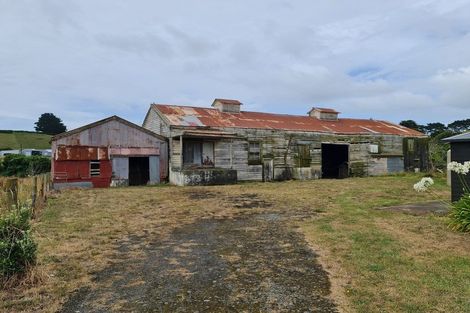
{"x":423,"y":184}
{"x":459,"y":168}
{"x":460,"y":212}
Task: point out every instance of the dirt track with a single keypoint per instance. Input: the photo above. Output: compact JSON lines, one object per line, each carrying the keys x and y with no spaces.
{"x":248,"y":263}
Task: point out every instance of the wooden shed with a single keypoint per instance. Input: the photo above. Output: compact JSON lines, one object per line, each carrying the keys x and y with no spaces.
{"x":459,"y":152}
{"x":109,"y":152}
{"x":224,"y":144}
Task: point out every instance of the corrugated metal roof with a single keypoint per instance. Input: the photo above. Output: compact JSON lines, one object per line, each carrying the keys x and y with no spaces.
{"x":206,"y":117}
{"x":208,"y":133}
{"x":460,"y":137}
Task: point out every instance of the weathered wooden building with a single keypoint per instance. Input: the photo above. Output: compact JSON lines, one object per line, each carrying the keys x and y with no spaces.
{"x":224,"y":144}
{"x":459,"y":152}
{"x":110,"y":152}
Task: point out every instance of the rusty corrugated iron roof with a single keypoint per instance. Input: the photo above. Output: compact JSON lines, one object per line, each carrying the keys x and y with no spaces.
{"x":208,"y":134}
{"x":205,"y":117}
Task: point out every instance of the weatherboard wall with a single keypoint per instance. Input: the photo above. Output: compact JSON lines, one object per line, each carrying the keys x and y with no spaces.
{"x":281,"y":149}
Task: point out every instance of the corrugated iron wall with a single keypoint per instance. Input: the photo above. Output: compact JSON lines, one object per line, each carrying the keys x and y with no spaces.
{"x":79,"y":171}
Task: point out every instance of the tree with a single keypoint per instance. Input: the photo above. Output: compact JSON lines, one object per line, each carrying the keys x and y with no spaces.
{"x":411,"y":124}
{"x":438,"y":151}
{"x":433,"y":129}
{"x":460,"y":126}
{"x":50,"y":124}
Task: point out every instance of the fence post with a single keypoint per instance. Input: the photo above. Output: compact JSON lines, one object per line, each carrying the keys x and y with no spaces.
{"x":34,"y":192}
{"x":43,"y":186}
{"x":11,"y":187}
{"x":48,"y":182}
{"x":40,"y":184}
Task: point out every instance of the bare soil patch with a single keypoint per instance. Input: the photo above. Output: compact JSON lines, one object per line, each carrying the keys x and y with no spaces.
{"x":245,"y":263}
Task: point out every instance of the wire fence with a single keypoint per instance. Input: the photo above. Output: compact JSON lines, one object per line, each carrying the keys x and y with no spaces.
{"x":31,"y":191}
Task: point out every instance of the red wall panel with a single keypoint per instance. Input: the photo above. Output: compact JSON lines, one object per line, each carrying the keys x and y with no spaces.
{"x":77,"y":171}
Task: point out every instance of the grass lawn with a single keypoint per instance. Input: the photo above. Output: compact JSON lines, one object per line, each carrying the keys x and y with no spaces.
{"x":24,"y":140}
{"x":378,"y":261}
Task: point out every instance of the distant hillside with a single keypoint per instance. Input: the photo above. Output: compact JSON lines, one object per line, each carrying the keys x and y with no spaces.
{"x":23,"y":139}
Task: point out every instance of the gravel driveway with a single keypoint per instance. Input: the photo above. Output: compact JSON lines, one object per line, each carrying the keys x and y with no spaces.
{"x":247,"y":263}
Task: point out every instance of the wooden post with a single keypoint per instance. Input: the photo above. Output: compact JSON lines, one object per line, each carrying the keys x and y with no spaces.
{"x":44,"y":186}
{"x":34,"y":192}
{"x":181,"y":151}
{"x":231,"y":154}
{"x":41,"y":186}
{"x":11,"y":187}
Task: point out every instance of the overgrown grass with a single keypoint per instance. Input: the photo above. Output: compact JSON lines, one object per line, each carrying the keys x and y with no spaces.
{"x":379,"y":261}
{"x":25,"y":187}
{"x":26,"y":140}
{"x":393,"y":262}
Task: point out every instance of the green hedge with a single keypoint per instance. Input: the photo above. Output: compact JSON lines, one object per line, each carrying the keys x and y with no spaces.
{"x":22,"y":165}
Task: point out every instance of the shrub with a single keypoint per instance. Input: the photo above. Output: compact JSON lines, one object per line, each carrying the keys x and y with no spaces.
{"x":22,"y":165}
{"x":460,"y":214}
{"x":460,"y":210}
{"x":17,"y":247}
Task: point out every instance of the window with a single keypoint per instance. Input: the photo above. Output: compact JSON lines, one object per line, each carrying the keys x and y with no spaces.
{"x":411,"y":145}
{"x":304,"y":159}
{"x":94,"y":168}
{"x":198,"y":153}
{"x":254,"y":153}
{"x":374,"y":148}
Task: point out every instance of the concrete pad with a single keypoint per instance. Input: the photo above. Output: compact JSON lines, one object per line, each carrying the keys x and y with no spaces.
{"x":422,"y":208}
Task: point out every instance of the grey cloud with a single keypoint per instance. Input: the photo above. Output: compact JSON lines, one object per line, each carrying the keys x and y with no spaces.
{"x":139,"y":44}
{"x":84,"y":60}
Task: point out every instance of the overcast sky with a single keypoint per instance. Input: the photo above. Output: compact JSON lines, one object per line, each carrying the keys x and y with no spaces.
{"x":86,"y":60}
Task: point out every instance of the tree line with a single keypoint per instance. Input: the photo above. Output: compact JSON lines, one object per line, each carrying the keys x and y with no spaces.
{"x":436,"y":128}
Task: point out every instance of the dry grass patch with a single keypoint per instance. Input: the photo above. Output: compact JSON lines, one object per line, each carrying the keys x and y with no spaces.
{"x":81,"y":232}
{"x":378,"y":260}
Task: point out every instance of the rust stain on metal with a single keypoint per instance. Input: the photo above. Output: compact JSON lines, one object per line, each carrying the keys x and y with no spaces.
{"x":208,"y":117}
{"x":81,"y":153}
{"x":133,"y":151}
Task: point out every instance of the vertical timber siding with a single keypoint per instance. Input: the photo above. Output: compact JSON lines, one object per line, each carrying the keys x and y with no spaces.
{"x":281,"y":149}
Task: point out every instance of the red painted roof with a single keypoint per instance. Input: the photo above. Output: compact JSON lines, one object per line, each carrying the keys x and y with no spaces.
{"x":206,"y":117}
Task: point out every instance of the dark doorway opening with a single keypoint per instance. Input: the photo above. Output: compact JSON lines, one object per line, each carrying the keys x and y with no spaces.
{"x":335,"y":158}
{"x":138,"y":171}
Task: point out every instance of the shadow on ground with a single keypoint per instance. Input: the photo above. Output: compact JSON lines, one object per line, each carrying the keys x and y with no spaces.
{"x":249,"y":263}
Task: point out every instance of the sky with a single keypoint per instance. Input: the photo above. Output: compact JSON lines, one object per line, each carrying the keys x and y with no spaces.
{"x":86,"y":60}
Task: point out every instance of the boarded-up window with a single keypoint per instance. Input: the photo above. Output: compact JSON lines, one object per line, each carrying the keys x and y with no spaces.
{"x":254,"y":153}
{"x":303,"y":158}
{"x":192,"y":152}
{"x":95,"y":168}
{"x":198,"y":153}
